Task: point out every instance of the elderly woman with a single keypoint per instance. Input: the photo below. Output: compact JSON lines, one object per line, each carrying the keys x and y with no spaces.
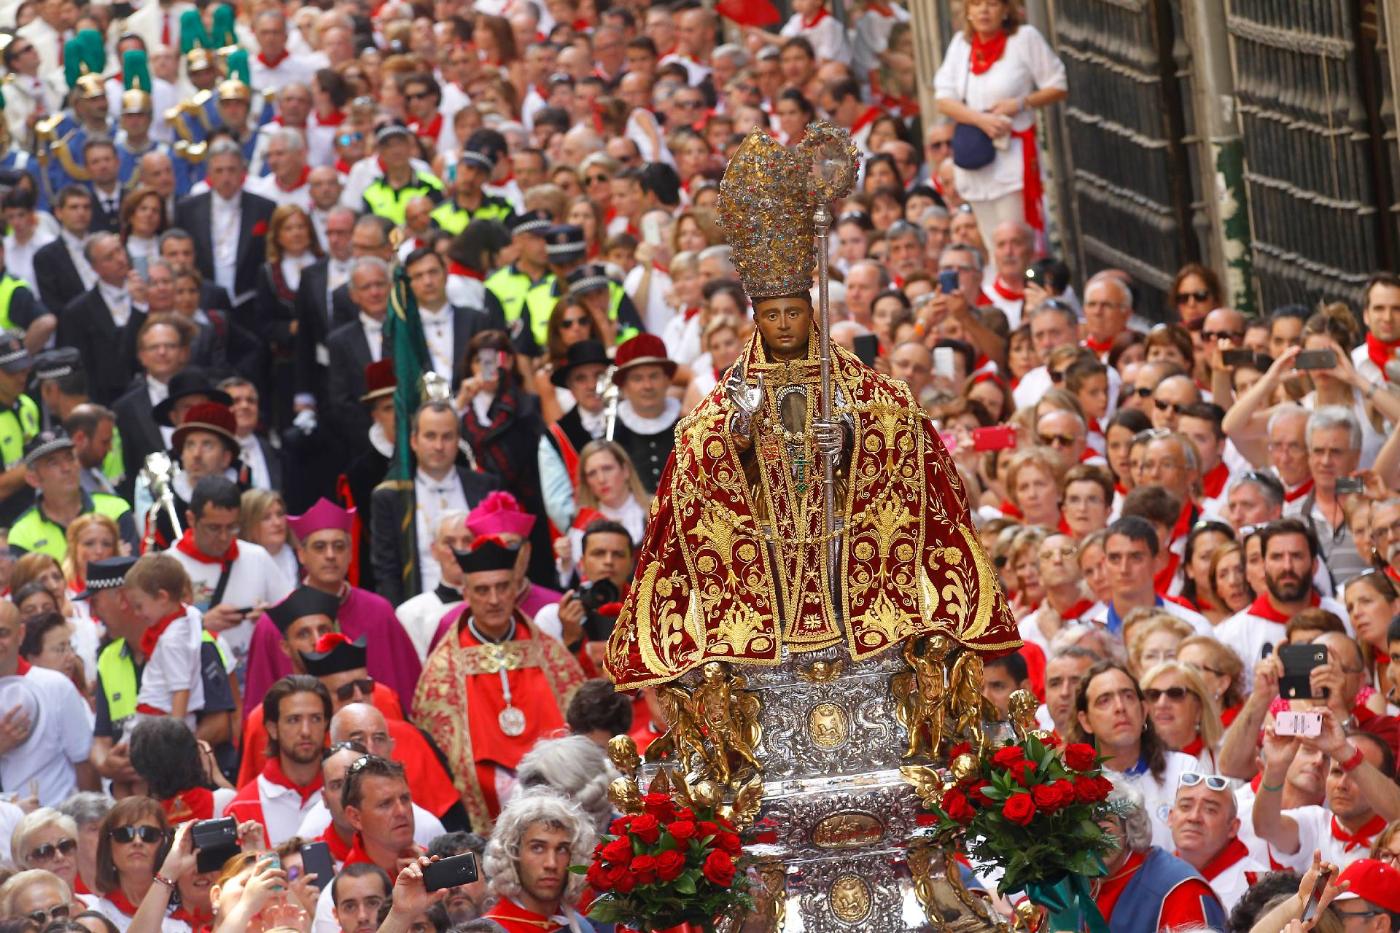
{"x":1032,"y":488}
{"x":1184,"y":712}
{"x":565,"y":833}
{"x":47,"y":839}
{"x":131,"y":839}
{"x":37,"y":895}
{"x":87,"y":810}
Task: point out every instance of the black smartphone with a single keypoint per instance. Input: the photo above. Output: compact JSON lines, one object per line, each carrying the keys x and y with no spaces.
{"x":1233,"y":358}
{"x":1315,"y":895}
{"x":215,"y":842}
{"x":1298,"y":663}
{"x":450,"y":872}
{"x":316,"y":860}
{"x":866,"y":346}
{"x":1349,"y":485}
{"x":1315,"y":359}
{"x":948,"y":281}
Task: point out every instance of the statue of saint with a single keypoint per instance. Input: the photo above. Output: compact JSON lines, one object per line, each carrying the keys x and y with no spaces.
{"x":738,"y":562}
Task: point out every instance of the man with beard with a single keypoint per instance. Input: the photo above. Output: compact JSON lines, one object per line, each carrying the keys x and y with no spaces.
{"x":296,"y":712}
{"x":1290,"y":556}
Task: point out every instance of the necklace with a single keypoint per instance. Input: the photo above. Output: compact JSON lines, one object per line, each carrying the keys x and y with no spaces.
{"x":511,"y":720}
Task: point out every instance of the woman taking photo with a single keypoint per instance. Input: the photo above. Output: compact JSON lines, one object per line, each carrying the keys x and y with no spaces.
{"x":142,"y":219}
{"x":996,"y":72}
{"x":132,"y":838}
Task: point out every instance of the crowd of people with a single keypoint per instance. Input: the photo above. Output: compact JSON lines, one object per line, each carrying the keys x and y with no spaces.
{"x":224,"y":603}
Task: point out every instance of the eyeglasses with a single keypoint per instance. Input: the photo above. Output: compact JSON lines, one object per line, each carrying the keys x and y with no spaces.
{"x":1355,"y":913}
{"x":51,"y":850}
{"x":1056,"y":440}
{"x":1175,"y":694}
{"x":1198,"y":297}
{"x":567,"y":322}
{"x":1212,"y":781}
{"x":690,"y":104}
{"x":1143,"y":392}
{"x":1222,"y":335}
{"x":42,"y":917}
{"x":126,"y":835}
{"x":1387,"y":855}
{"x":419,"y":95}
{"x":363,"y":685}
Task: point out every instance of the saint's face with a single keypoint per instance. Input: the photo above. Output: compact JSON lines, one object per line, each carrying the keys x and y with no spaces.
{"x":786,"y":325}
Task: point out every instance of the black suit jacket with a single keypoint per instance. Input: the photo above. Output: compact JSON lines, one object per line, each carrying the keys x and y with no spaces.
{"x":348,"y":351}
{"x":108,"y":351}
{"x":195,"y":214}
{"x":108,"y":221}
{"x":136,"y":420}
{"x":58,"y":279}
{"x":317,"y":316}
{"x":466,"y":324}
{"x":387,"y":547}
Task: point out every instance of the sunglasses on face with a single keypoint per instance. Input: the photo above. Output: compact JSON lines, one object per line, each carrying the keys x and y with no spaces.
{"x":50,"y":850}
{"x":42,"y":917}
{"x":1056,"y":440}
{"x":1198,"y":297}
{"x":345,"y":139}
{"x":1175,"y":694}
{"x":1143,"y":392}
{"x":129,"y":834}
{"x":595,"y":179}
{"x":573,"y":322}
{"x":364,"y":685}
{"x":1212,"y":781}
{"x":1169,"y":406}
{"x":419,"y":95}
{"x":1221,"y":335}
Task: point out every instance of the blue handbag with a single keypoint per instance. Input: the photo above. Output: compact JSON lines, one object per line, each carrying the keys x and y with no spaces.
{"x":972,"y":148}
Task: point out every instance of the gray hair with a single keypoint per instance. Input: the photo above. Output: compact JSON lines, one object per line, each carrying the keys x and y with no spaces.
{"x":1111,"y":278}
{"x":86,"y":807}
{"x":451,"y":518}
{"x":1132,"y":813}
{"x":501,"y":860}
{"x":226,"y":147}
{"x":96,"y":240}
{"x":933,"y":211}
{"x":25,"y":880}
{"x":902,"y":228}
{"x":972,"y":251}
{"x":721,"y":251}
{"x":735,"y":53}
{"x":1335,"y":416}
{"x":884,"y":274}
{"x":371,"y":262}
{"x":1065,"y":312}
{"x":575,"y":767}
{"x":32,"y":823}
{"x":1272,"y":493}
{"x":1189,"y":453}
{"x":1283,"y":412}
{"x":289,"y":138}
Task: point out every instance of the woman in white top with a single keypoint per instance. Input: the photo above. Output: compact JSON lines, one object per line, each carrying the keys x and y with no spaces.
{"x":142,"y":220}
{"x":608,"y":484}
{"x":995,"y":73}
{"x":1183,"y":712}
{"x":263,"y":520}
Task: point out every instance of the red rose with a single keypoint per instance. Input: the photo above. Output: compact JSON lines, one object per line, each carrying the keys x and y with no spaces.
{"x":646,"y":828}
{"x":645,"y":868}
{"x":962,"y":748}
{"x":729,"y":844}
{"x":705,"y":830}
{"x":625,"y":882}
{"x":598,"y":877}
{"x":719,"y":869}
{"x":669,"y":865}
{"x":612,"y":873}
{"x":1051,"y":741}
{"x":685,"y":813}
{"x":260,"y":228}
{"x":1019,"y":809}
{"x":1021,"y":771}
{"x":1008,"y":756}
{"x":1079,"y":757}
{"x":619,"y":826}
{"x":1092,"y":789}
{"x":1051,"y":797}
{"x":958,"y":809}
{"x":682,"y":831}
{"x":660,"y":806}
{"x":976,"y":795}
{"x":619,"y":851}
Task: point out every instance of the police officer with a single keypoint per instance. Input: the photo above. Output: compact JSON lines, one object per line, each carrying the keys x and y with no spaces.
{"x":469,"y":202}
{"x":19,"y":423}
{"x":567,"y":252}
{"x":51,"y":467}
{"x":388,"y":195}
{"x":21,"y":309}
{"x":511,"y":283}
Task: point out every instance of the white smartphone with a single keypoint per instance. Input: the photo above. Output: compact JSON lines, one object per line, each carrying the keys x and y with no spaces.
{"x":1301,"y":723}
{"x":943,"y":362}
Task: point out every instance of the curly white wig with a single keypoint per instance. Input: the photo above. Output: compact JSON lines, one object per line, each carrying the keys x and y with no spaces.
{"x":1128,"y":804}
{"x":575,"y":767}
{"x":501,"y":860}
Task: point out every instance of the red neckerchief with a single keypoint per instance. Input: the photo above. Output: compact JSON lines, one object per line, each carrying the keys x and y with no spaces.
{"x":301,"y":180}
{"x":1194,"y":747}
{"x":1392,"y":573}
{"x":123,"y":903}
{"x":280,"y":59}
{"x":342,"y":166}
{"x":879,"y":10}
{"x":1381,"y":352}
{"x":1362,"y":837}
{"x":22,"y":667}
{"x":821,"y":15}
{"x":1010,"y":509}
{"x":1163,"y":581}
{"x":1382,"y":659}
{"x":1299,"y":491}
{"x":870,"y":116}
{"x":1264,"y":609}
{"x":1063,"y":528}
{"x":1234,"y":851}
{"x":1005,"y":292}
{"x":357,"y":853}
{"x":456,"y":268}
{"x":511,"y":916}
{"x":275,"y":775}
{"x":1077,"y":610}
{"x":691,"y":312}
{"x":340,"y":851}
{"x":198,"y":922}
{"x":431,"y":130}
{"x":335,"y":119}
{"x":1100,"y":347}
{"x":1213,"y":483}
{"x":152,"y":634}
{"x":187,"y":547}
{"x":197,"y":803}
{"x":986,"y":53}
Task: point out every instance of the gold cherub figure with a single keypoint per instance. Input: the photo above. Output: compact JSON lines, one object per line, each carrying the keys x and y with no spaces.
{"x":966,"y":702}
{"x":729,"y":717}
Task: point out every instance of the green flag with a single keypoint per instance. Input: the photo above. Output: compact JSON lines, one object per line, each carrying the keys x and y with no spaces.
{"x":405,"y":344}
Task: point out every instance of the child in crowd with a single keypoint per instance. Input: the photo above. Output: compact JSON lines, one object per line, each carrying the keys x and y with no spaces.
{"x":171,"y":684}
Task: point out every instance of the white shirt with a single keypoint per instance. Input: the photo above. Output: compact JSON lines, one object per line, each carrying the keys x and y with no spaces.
{"x":432,"y":498}
{"x":118,"y":302}
{"x":283,"y":810}
{"x":420,"y":616}
{"x":1315,"y":833}
{"x":19,"y":257}
{"x":1248,"y":634}
{"x":1028,"y":64}
{"x":1158,"y":796}
{"x":267,"y":186}
{"x":657,"y":313}
{"x":251,"y":453}
{"x":253,"y":579}
{"x":175,"y":665}
{"x":60,"y":735}
{"x":1230,"y":883}
{"x":374,"y":336}
{"x":122,"y":922}
{"x":437,"y":331}
{"x":75,"y":252}
{"x":827,"y":35}
{"x":225,"y":222}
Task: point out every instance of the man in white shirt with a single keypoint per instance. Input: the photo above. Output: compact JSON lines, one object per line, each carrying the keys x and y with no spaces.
{"x":25,"y":237}
{"x":1013,"y":250}
{"x":274,"y":66}
{"x":420,"y":614}
{"x":47,"y":33}
{"x":45,"y":727}
{"x":287,"y":178}
{"x":1132,"y":552}
{"x":233,"y":581}
{"x":1205,"y":829}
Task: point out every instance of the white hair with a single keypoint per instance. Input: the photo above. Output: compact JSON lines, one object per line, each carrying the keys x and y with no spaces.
{"x":1132,"y":813}
{"x":1282,"y":412}
{"x":1335,"y":416}
{"x":575,"y":767}
{"x":288,"y":137}
{"x":501,"y":860}
{"x":33,"y":822}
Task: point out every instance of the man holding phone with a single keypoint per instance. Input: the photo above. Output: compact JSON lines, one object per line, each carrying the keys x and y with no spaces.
{"x":1334,"y":439}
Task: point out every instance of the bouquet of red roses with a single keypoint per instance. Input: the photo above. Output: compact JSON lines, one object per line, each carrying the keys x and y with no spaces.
{"x":666,"y":866}
{"x":1031,"y":809}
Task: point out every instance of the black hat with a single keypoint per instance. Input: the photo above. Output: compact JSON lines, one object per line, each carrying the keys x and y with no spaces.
{"x":335,"y":654}
{"x":537,"y":222}
{"x":392,"y":129}
{"x":583,"y":353}
{"x":487,"y":553}
{"x":57,"y":363}
{"x":565,"y":243}
{"x":45,"y":443}
{"x":489,"y":143}
{"x":477,"y":159}
{"x":106,"y":574}
{"x":189,"y":381}
{"x":14,"y":358}
{"x":304,"y":601}
{"x":587,"y":278}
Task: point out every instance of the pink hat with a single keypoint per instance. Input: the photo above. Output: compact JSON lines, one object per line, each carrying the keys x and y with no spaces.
{"x":500,"y":514}
{"x":324,"y":514}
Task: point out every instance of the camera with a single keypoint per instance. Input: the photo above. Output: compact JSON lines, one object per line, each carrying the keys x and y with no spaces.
{"x":215,"y":842}
{"x":594,"y":595}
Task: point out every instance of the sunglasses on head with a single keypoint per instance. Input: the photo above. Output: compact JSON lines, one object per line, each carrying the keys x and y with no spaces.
{"x":129,"y":834}
{"x":50,"y":850}
{"x":364,"y":685}
{"x":1175,"y":694}
{"x":1198,"y":297}
{"x":1212,"y":781}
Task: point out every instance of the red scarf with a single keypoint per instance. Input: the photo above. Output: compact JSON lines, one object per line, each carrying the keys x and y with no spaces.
{"x":1381,"y":352}
{"x":334,"y":119}
{"x":1194,"y":747}
{"x":280,"y":59}
{"x":1010,"y":509}
{"x":1214,"y":481}
{"x":1163,"y":581}
{"x":1005,"y":291}
{"x":22,"y":667}
{"x":986,"y":53}
{"x":273,"y":772}
{"x":429,"y":130}
{"x":152,"y":634}
{"x":1100,"y":347}
{"x":339,"y":850}
{"x":865,"y":119}
{"x":1361,"y":839}
{"x":191,"y":550}
{"x":120,"y":901}
{"x":197,"y":803}
{"x":301,"y":180}
{"x":456,"y":268}
{"x":1234,"y":851}
{"x":1077,"y":610}
{"x":1264,"y":609}
{"x":821,"y":15}
{"x":1299,"y":491}
{"x":1033,"y":189}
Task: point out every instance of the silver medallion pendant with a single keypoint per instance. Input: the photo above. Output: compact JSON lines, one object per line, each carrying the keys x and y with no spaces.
{"x":512,"y":721}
